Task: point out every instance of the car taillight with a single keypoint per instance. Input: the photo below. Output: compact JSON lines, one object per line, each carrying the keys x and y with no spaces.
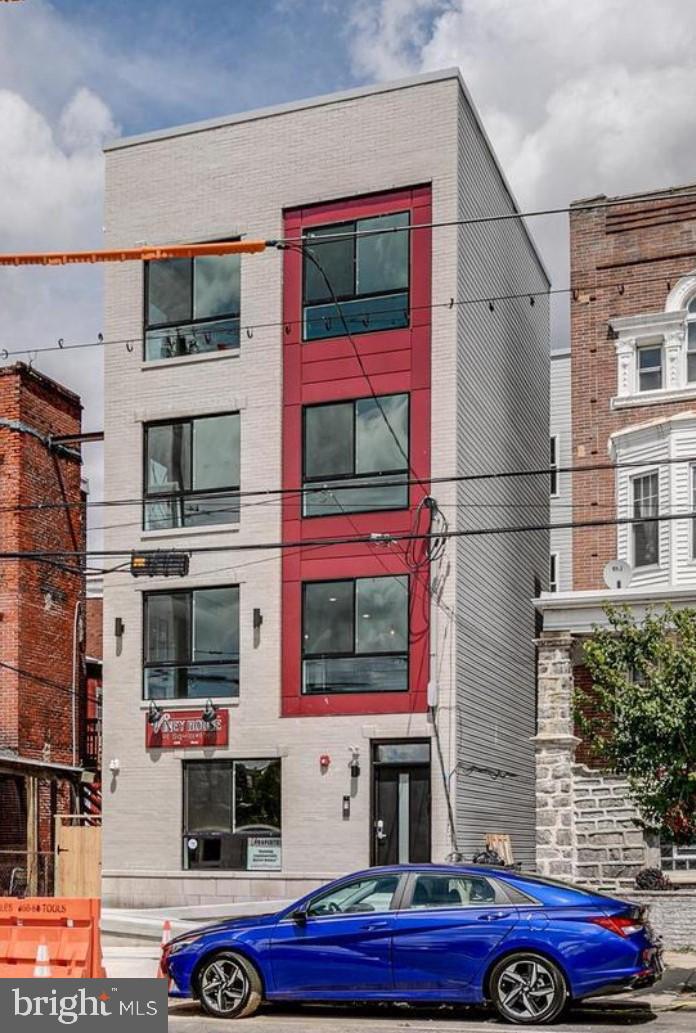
{"x":622,"y":925}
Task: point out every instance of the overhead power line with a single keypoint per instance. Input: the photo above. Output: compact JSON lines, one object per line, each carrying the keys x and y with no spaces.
{"x":375,"y":482}
{"x":582,"y":293}
{"x":374,"y":538}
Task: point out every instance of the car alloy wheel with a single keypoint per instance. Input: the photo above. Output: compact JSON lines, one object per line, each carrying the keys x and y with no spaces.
{"x":229,"y":987}
{"x":527,"y":988}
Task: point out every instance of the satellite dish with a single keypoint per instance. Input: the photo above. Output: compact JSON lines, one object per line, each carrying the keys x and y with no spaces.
{"x":618,"y":574}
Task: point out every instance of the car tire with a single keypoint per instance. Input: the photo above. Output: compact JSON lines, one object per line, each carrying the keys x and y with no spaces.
{"x":527,"y":988}
{"x":228,"y":986}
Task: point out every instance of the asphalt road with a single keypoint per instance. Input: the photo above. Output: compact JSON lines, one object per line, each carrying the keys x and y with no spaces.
{"x":604,"y":1017}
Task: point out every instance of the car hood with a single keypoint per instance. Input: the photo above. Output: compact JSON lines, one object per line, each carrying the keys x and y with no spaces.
{"x":228,"y":925}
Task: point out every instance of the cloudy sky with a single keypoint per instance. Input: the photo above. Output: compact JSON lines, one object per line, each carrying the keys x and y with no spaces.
{"x":578,"y":98}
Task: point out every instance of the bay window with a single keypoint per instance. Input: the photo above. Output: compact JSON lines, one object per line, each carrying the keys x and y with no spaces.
{"x":232,"y":814}
{"x":646,"y":548}
{"x":348,"y":448}
{"x":366,"y":264}
{"x":192,"y":472}
{"x":191,"y":644}
{"x":355,"y":635}
{"x":192,"y":305}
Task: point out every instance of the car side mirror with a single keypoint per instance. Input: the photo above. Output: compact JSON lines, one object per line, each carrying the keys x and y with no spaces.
{"x":299,"y":917}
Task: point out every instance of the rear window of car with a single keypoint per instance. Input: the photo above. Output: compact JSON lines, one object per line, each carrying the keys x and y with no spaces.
{"x":554,"y":891}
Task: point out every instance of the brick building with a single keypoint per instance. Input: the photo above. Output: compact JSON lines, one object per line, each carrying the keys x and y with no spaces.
{"x":630,"y":399}
{"x":42,"y":703}
{"x":267,"y":718}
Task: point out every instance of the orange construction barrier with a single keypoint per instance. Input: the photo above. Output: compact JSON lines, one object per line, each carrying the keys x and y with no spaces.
{"x":56,"y":935}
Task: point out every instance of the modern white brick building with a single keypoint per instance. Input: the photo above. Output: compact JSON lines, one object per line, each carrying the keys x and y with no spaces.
{"x":316,"y":665}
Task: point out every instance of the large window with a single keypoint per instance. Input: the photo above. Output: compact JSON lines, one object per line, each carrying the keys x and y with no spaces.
{"x":646,"y":551}
{"x":553,"y":465}
{"x":691,"y":341}
{"x":232,"y":814}
{"x":366,"y":264}
{"x":650,"y":368}
{"x":351,"y":444}
{"x":192,"y":472}
{"x":355,"y":635}
{"x":191,"y":646}
{"x":191,"y":305}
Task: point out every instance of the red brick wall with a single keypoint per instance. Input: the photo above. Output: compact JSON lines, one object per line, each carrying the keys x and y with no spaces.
{"x":94,"y":611}
{"x":38,"y":599}
{"x":652,"y":239}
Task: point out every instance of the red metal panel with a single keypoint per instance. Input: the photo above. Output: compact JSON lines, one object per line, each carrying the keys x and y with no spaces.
{"x":320,"y":371}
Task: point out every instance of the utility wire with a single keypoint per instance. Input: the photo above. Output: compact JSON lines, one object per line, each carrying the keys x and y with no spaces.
{"x":386,"y":482}
{"x":375,"y":538}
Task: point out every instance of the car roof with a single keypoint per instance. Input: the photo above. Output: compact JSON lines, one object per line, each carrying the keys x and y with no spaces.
{"x":454,"y":869}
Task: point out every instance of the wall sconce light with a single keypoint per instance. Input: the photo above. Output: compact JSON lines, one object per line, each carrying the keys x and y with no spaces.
{"x":257,"y":618}
{"x":154,"y":713}
{"x":324,"y":761}
{"x":119,"y":627}
{"x":354,"y":761}
{"x":208,"y":715}
{"x":114,"y":765}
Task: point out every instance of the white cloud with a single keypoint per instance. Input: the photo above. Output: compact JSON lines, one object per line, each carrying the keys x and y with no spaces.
{"x":578,"y":98}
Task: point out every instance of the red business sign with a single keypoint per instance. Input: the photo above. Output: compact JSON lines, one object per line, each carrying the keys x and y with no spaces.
{"x":187,"y":728}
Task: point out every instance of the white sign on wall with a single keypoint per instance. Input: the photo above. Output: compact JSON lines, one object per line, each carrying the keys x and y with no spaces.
{"x":263,"y":854}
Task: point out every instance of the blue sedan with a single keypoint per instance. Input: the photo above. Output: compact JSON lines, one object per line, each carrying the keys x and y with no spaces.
{"x":422,"y":933}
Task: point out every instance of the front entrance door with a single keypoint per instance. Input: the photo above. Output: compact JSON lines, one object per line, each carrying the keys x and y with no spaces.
{"x":400,"y":802}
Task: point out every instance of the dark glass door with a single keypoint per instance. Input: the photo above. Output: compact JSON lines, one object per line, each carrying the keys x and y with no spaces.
{"x":400,"y":802}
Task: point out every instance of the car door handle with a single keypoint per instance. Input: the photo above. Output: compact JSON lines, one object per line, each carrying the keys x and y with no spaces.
{"x":491,"y":916}
{"x":376,"y":925}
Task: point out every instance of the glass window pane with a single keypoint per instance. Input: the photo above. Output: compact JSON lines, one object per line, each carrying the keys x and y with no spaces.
{"x":208,"y":797}
{"x":447,"y":891}
{"x":651,"y":381}
{"x":257,"y":796}
{"x":216,"y":286}
{"x":381,"y":434}
{"x":167,"y":627}
{"x":216,"y":624}
{"x":403,"y":753}
{"x":649,"y":358}
{"x":169,"y":291}
{"x":691,"y":307}
{"x":202,"y":510}
{"x":328,"y":440}
{"x":382,"y":259}
{"x":210,"y":680}
{"x":372,"y":894}
{"x":168,"y":460}
{"x":216,"y":452}
{"x":381,"y":615}
{"x":335,"y":255}
{"x":645,"y":536}
{"x":328,"y":617}
{"x":355,"y":674}
{"x":339,"y":497}
{"x":361,"y":316}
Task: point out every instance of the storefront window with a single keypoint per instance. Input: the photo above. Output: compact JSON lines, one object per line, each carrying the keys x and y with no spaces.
{"x":232,"y":815}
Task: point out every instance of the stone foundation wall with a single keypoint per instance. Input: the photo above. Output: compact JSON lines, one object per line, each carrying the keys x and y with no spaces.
{"x":610,"y":846}
{"x":672,"y":916}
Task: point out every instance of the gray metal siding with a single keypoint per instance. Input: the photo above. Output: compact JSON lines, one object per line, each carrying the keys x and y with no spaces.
{"x":561,"y":505}
{"x":503,"y":421}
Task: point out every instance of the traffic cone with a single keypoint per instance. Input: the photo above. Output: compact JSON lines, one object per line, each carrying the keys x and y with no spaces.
{"x":42,"y":968}
{"x":166,"y":937}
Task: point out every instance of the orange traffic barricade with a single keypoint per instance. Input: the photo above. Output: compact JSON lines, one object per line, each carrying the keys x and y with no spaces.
{"x":50,"y":936}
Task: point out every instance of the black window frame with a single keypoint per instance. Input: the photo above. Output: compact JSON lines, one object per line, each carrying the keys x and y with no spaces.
{"x":652,"y":525}
{"x":182,"y":496}
{"x":311,"y":484}
{"x":146,"y":665}
{"x":349,"y":226}
{"x":553,"y":466}
{"x":215,"y":836}
{"x":353,"y":654}
{"x":189,"y":324}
